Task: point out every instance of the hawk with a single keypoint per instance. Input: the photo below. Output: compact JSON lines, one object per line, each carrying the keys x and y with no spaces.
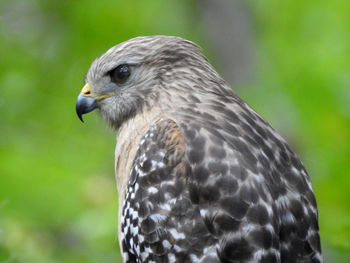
{"x":201,"y":176}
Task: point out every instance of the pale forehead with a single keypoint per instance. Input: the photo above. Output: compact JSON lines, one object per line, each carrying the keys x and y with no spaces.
{"x":134,"y":51}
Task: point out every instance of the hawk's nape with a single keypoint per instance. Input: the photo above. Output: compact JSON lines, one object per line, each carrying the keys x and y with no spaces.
{"x":201,"y":176}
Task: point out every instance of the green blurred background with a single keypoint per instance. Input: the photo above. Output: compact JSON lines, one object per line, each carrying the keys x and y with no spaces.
{"x":290,"y":60}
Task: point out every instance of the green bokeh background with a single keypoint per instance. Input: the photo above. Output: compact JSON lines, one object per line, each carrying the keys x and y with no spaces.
{"x":58,"y":200}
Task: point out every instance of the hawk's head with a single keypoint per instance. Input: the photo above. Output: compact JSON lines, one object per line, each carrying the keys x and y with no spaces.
{"x":133,"y":74}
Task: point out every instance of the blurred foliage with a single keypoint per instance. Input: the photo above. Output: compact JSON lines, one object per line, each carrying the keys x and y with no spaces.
{"x":58,"y":201}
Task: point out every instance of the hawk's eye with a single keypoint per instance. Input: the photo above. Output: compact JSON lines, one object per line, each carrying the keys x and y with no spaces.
{"x":120,"y":74}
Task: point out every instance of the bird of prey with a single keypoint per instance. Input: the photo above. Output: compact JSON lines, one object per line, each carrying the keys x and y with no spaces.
{"x":201,"y":176}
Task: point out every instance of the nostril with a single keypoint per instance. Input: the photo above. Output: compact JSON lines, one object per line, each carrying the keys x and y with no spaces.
{"x":86,"y":91}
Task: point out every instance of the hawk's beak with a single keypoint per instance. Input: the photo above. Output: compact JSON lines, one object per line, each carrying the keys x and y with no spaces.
{"x":85,"y":102}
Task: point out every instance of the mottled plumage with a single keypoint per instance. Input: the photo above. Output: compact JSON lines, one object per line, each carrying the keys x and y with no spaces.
{"x":201,"y":176}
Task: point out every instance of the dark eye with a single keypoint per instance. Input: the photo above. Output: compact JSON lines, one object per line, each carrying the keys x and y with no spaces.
{"x":120,"y":74}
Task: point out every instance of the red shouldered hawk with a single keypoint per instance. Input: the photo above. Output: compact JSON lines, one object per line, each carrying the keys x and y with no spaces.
{"x":201,"y":176}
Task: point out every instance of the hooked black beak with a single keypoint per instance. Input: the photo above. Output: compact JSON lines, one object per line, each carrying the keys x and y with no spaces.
{"x":85,"y":103}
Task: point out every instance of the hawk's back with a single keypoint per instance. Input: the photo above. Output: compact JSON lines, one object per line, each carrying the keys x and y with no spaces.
{"x":213,"y":182}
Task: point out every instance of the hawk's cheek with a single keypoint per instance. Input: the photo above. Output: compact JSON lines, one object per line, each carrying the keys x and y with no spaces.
{"x":84,"y":105}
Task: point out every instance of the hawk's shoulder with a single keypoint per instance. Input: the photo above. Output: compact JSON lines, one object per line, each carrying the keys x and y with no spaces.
{"x":159,"y":221}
